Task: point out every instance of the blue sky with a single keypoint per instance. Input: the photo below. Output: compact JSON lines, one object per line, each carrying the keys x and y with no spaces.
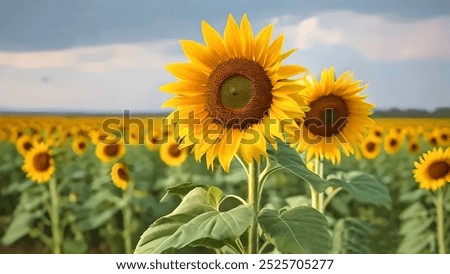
{"x":109,"y":55}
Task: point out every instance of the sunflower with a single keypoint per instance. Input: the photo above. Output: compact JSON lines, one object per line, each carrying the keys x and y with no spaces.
{"x":413,"y":145}
{"x":24,"y":144}
{"x":109,"y":150}
{"x":171,"y":154}
{"x":232,"y":94}
{"x":79,"y":145}
{"x":97,"y":136}
{"x":119,"y":175}
{"x":433,"y":169}
{"x":39,"y":164}
{"x":377,"y":131}
{"x":370,"y":147}
{"x":393,"y":142}
{"x":444,"y":136}
{"x":338,"y":116}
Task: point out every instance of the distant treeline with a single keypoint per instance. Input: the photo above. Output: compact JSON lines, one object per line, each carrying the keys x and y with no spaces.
{"x":393,"y":112}
{"x":413,"y":113}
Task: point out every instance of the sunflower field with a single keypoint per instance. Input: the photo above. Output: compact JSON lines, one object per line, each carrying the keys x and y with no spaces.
{"x":256,"y":157}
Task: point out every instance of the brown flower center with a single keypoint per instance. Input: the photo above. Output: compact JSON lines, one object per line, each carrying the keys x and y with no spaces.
{"x":438,"y":170}
{"x":444,"y":137}
{"x":327,"y":116}
{"x":393,"y":143}
{"x":370,"y":146}
{"x":27,"y":146}
{"x":433,"y":141}
{"x":122,"y":174}
{"x":174,"y":151}
{"x":414,"y":147}
{"x":111,"y":150}
{"x":41,"y":161}
{"x":81,"y":145}
{"x":240,"y":93}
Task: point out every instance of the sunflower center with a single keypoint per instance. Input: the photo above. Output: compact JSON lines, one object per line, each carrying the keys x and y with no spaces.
{"x":27,"y":146}
{"x":240,"y":93}
{"x":414,"y":147}
{"x":122,"y":174}
{"x":327,"y":116}
{"x":41,"y":161}
{"x":444,"y":137}
{"x":111,"y":150}
{"x":393,"y":143}
{"x":438,"y":170}
{"x":236,"y":92}
{"x":433,"y":141}
{"x":174,"y":151}
{"x":370,"y":146}
{"x":81,"y":145}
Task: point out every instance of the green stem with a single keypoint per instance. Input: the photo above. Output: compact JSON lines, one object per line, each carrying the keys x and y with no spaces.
{"x":127,"y":216}
{"x":54,"y":217}
{"x":253,"y":201}
{"x":317,"y":198}
{"x":439,"y":203}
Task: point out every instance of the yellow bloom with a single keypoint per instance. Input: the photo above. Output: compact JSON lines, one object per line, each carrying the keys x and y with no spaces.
{"x":413,"y":145}
{"x":370,"y":147}
{"x":172,"y":155}
{"x":119,"y":175}
{"x":109,"y":150}
{"x":433,"y":169}
{"x":338,"y":116}
{"x":24,"y":144}
{"x":79,"y":144}
{"x":393,"y":142}
{"x":39,"y":164}
{"x":232,"y":94}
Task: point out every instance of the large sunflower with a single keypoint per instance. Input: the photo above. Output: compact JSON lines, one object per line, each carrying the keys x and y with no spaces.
{"x":39,"y":164}
{"x":433,"y":169}
{"x":338,"y":116}
{"x":119,"y":175}
{"x":171,"y":154}
{"x":232,"y":94}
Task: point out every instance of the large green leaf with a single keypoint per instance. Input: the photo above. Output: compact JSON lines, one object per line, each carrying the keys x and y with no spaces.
{"x":290,"y":160}
{"x":196,"y":220}
{"x":298,"y":230}
{"x":19,"y":227}
{"x":363,"y":187}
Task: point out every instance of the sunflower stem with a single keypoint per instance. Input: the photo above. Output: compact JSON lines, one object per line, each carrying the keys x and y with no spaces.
{"x":253,"y":201}
{"x":127,"y":216}
{"x":317,"y":198}
{"x":439,"y":203}
{"x":54,"y":217}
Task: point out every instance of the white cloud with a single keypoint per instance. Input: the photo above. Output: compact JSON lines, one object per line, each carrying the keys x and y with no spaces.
{"x":375,"y":37}
{"x":96,"y":59}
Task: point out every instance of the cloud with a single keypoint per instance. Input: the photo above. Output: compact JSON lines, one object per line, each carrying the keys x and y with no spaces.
{"x":97,"y":59}
{"x":375,"y":37}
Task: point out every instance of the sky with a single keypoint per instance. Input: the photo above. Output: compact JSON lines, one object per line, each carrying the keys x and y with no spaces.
{"x":99,"y":56}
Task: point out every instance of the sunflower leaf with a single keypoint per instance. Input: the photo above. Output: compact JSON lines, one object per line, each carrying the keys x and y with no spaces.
{"x":363,"y":187}
{"x":298,"y":230}
{"x":196,"y":221}
{"x":290,"y":160}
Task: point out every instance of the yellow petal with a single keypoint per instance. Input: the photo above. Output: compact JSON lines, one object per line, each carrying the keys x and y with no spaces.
{"x":198,"y":53}
{"x":246,"y":36}
{"x":232,"y":37}
{"x":187,"y":72}
{"x":214,"y":41}
{"x":261,"y":43}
